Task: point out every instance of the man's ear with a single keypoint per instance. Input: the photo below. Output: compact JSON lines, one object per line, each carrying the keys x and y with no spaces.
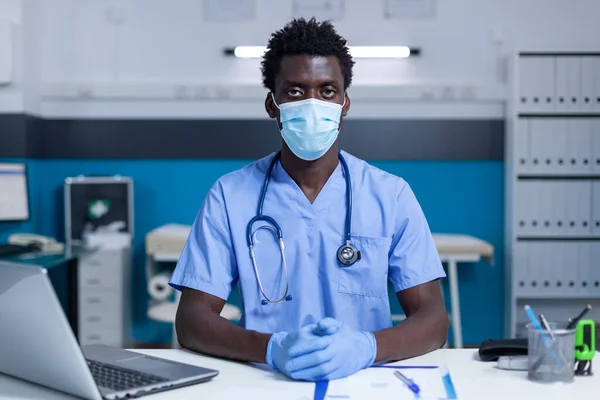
{"x":270,"y":106}
{"x":346,"y":106}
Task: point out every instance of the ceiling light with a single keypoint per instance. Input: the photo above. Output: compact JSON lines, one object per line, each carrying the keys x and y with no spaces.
{"x":355,"y":51}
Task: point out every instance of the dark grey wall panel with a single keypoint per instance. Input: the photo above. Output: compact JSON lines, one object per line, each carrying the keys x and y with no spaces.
{"x":13,"y":135}
{"x":226,"y":139}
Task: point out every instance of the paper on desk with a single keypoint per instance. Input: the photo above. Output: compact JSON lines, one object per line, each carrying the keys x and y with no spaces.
{"x":380,"y":383}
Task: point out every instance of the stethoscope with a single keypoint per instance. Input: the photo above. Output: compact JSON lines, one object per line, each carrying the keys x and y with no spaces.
{"x":347,"y":254}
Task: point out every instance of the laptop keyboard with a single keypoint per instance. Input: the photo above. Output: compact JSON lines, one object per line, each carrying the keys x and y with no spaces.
{"x":120,"y":379}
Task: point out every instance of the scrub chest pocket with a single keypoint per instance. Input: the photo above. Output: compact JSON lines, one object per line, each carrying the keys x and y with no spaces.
{"x":368,"y":276}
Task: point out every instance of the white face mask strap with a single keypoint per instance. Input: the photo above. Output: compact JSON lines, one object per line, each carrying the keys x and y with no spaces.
{"x":274,"y":102}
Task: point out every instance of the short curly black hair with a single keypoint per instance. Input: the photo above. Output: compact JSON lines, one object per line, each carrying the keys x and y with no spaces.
{"x":302,"y":37}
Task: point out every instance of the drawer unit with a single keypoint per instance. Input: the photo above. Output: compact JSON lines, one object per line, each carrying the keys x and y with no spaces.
{"x":104,"y":298}
{"x":101,"y":269}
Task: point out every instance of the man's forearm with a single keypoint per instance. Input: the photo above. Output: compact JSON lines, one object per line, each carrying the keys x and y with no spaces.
{"x":199,"y":329}
{"x":424,"y":331}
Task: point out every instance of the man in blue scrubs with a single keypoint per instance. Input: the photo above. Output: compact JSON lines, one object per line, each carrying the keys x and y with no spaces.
{"x":336,"y":318}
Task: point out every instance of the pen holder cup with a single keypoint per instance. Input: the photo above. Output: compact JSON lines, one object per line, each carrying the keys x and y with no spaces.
{"x":551,"y":354}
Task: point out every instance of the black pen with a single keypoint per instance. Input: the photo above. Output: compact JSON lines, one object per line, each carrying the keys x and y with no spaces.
{"x":577,"y":318}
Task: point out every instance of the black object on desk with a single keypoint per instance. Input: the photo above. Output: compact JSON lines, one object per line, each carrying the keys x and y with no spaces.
{"x":492,"y":349}
{"x":9,"y":250}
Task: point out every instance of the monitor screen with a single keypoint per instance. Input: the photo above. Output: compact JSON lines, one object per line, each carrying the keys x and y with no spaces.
{"x":14,"y":199}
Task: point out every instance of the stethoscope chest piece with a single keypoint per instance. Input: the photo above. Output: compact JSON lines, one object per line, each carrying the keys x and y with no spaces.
{"x":348,"y":255}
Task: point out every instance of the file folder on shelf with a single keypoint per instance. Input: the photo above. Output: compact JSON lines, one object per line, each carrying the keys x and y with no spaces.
{"x":521,"y":141}
{"x":568,"y":83}
{"x":596,"y":145}
{"x":588,"y":84}
{"x":521,"y":268}
{"x":596,"y":212}
{"x":596,"y":96}
{"x":595,"y":269}
{"x":529,"y":84}
{"x":547,"y":73}
{"x":583,"y":207}
{"x":537,"y":145}
{"x":558,"y":145}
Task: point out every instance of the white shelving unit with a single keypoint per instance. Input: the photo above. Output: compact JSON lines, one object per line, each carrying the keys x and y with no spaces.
{"x":552,"y":186}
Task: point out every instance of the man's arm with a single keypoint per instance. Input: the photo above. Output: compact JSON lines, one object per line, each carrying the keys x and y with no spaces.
{"x":200,"y":328}
{"x":414,"y":271}
{"x":425,"y":328}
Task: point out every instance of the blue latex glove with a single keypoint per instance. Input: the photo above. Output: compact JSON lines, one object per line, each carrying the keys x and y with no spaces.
{"x":283,"y":347}
{"x":350,"y":351}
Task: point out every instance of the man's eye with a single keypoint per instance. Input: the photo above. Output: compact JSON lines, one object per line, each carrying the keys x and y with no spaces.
{"x":328,"y":93}
{"x":294,"y":92}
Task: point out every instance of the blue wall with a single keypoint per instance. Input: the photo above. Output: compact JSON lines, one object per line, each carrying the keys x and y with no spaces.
{"x":457,"y":197}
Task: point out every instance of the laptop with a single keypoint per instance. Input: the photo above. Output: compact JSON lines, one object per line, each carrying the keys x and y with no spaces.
{"x":38,"y":345}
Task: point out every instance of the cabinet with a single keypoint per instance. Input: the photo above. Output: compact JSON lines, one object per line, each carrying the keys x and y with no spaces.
{"x":552,"y":186}
{"x":104,"y":298}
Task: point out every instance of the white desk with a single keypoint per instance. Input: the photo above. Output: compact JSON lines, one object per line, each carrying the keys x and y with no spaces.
{"x":473,"y":380}
{"x":454,"y":249}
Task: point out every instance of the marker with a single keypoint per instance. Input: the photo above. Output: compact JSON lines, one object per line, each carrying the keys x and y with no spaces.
{"x":408,"y":382}
{"x":577,"y":318}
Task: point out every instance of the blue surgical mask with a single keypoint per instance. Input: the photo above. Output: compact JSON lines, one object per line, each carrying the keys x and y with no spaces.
{"x":309,"y":127}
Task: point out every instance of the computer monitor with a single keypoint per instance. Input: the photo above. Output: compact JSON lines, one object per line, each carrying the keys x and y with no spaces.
{"x":14,"y":195}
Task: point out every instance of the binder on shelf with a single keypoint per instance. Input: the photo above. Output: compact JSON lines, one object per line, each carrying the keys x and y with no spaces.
{"x":596,"y":95}
{"x":547,"y":72}
{"x":525,"y":206}
{"x":584,"y":267}
{"x":546,"y":201}
{"x":536,"y":266}
{"x":528,"y":84}
{"x":537,"y":146}
{"x":583,"y":207}
{"x":521,"y":141}
{"x":558,"y":145}
{"x":570,"y":264}
{"x":581,"y":140}
{"x":596,"y":145}
{"x":595,"y":274}
{"x":588,"y":84}
{"x":521,"y":268}
{"x":596,"y":212}
{"x":568,"y":83}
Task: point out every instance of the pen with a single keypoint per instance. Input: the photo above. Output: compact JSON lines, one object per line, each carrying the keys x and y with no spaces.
{"x":577,"y":318}
{"x":545,"y":325}
{"x":408,"y":382}
{"x":538,"y":327}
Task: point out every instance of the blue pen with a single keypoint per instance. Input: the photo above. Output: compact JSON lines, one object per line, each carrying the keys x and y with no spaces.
{"x":408,"y":382}
{"x":537,"y":326}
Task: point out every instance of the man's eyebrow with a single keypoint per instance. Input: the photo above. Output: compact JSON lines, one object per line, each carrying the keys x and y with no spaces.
{"x":292,"y":83}
{"x":331,"y":82}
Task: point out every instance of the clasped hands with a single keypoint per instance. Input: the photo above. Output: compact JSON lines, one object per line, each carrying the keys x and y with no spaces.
{"x":326,"y":350}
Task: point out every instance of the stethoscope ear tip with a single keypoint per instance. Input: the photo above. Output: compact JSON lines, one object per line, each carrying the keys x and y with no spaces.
{"x":288,"y":297}
{"x":264,"y":302}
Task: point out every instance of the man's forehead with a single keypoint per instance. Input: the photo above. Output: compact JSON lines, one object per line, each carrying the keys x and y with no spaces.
{"x":306,"y":67}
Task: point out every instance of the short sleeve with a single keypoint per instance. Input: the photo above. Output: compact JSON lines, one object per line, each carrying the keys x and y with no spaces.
{"x":207,"y":262}
{"x":414,"y":258}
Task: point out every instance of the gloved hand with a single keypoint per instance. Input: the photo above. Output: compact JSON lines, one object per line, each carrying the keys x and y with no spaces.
{"x":284,"y":347}
{"x":350,"y":351}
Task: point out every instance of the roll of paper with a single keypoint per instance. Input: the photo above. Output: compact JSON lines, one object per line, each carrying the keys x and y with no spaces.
{"x":158,"y":287}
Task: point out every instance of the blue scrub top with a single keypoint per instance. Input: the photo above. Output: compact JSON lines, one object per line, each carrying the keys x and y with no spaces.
{"x":388,"y":227}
